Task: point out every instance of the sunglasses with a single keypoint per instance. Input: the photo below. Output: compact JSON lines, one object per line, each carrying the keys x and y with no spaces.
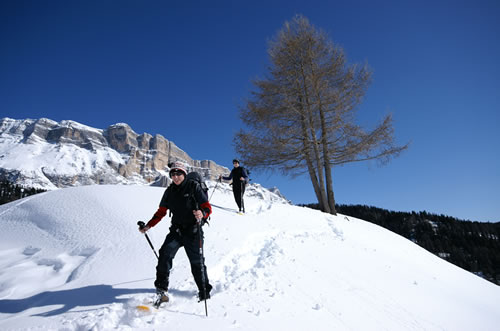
{"x":176,"y":173}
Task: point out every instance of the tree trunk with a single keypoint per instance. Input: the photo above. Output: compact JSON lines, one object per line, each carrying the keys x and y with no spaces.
{"x":318,"y":189}
{"x":329,"y":189}
{"x":311,"y":134}
{"x":326,"y":163}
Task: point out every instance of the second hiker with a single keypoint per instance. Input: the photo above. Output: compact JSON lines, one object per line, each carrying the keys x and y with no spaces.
{"x":239,"y":175}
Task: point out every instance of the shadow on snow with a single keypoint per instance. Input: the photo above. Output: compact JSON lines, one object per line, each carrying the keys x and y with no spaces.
{"x":84,"y":296}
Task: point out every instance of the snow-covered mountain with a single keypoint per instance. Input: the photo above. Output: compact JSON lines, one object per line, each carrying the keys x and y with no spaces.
{"x":46,"y":154}
{"x":72,"y":259}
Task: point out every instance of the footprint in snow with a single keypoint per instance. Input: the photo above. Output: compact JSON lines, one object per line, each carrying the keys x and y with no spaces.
{"x":30,"y":250}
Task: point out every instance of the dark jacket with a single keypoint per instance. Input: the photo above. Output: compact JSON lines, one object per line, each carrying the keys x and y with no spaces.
{"x":236,"y":174}
{"x":182,"y":200}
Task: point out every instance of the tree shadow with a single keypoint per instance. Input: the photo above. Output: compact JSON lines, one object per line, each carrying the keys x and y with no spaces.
{"x":93,"y":295}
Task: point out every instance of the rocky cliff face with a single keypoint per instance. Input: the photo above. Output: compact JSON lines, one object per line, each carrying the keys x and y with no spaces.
{"x":48,"y":154}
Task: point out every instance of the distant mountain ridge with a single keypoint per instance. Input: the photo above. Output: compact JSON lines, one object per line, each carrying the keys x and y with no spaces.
{"x":43,"y":153}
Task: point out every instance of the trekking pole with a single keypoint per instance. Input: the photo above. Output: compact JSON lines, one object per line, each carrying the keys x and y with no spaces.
{"x":241,"y":196}
{"x":141,"y":226}
{"x":218,"y":181}
{"x":203,"y":278}
{"x":202,"y":256}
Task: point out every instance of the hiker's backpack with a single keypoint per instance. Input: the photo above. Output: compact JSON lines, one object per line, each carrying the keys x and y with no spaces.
{"x":248,"y":173}
{"x":194,"y":176}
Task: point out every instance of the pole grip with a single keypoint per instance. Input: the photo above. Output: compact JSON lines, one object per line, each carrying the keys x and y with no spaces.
{"x":142,"y":226}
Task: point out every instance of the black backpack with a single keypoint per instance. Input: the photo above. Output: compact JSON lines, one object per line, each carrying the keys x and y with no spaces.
{"x":248,"y":173}
{"x":196,"y":177}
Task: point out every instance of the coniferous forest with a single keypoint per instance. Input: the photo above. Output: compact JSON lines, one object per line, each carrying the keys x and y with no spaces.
{"x":10,"y":192}
{"x":473,"y":246}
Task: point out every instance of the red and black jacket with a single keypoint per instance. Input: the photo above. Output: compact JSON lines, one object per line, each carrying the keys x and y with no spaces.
{"x":182,"y":200}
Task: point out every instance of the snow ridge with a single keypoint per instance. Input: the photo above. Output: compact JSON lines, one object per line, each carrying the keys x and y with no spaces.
{"x":72,"y":259}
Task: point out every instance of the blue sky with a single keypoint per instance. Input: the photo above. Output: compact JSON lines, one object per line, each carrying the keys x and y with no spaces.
{"x":182,"y":69}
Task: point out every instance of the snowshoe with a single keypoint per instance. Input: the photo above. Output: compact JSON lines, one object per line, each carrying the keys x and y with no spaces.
{"x":160,"y":297}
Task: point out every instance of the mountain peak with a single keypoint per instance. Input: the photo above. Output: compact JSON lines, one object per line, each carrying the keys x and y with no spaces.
{"x":43,"y":153}
{"x":120,"y":125}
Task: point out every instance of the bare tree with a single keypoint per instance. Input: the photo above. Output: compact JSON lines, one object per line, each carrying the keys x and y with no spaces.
{"x":300,"y":118}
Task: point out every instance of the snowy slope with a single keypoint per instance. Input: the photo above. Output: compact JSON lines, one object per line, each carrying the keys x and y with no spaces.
{"x":72,"y":259}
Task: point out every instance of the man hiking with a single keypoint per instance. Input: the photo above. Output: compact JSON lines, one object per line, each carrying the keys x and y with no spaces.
{"x":189,"y":205}
{"x":239,"y":176}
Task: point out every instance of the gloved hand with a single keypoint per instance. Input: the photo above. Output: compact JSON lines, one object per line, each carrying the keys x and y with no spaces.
{"x":143,"y":227}
{"x":198,"y":214}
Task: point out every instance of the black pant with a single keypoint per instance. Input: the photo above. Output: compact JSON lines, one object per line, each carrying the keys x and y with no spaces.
{"x":238,"y":191}
{"x":190,"y":239}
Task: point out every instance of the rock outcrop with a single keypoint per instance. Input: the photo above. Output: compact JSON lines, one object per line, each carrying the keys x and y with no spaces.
{"x":68,"y":153}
